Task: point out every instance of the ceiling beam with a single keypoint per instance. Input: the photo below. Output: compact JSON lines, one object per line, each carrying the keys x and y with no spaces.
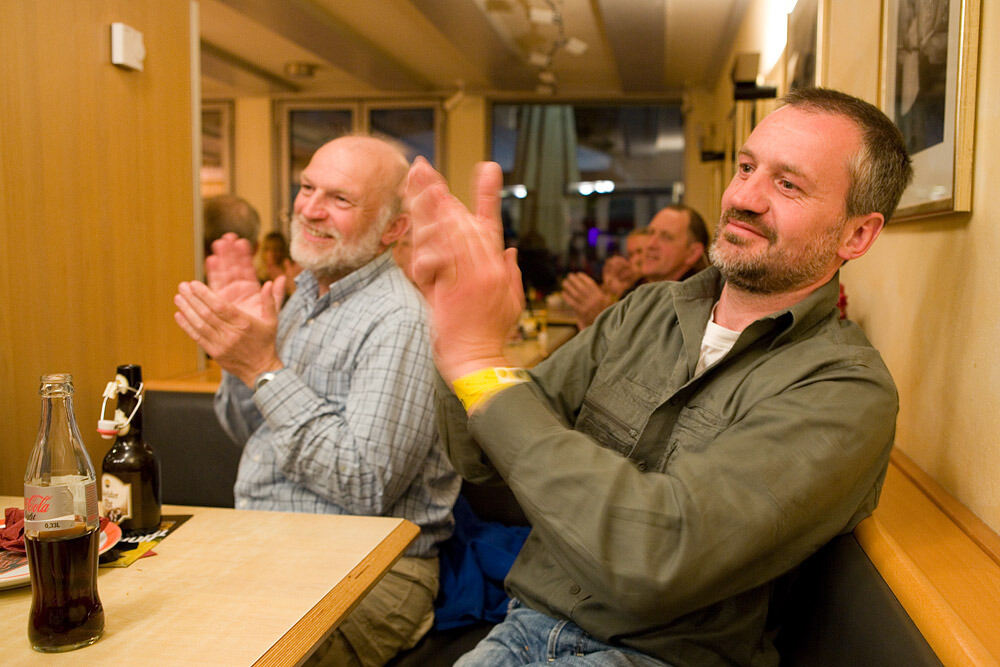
{"x":463,"y":24}
{"x":305,"y":24}
{"x":628,"y":24}
{"x":234,"y":71}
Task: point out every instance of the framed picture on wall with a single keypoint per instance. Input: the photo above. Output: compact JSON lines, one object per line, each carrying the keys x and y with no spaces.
{"x":930,"y":55}
{"x":803,"y":57}
{"x":216,"y":147}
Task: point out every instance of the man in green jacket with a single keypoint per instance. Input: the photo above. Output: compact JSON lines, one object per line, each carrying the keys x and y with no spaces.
{"x":702,"y":438}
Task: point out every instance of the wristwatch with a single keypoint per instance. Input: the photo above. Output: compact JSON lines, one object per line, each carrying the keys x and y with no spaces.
{"x":262,"y":379}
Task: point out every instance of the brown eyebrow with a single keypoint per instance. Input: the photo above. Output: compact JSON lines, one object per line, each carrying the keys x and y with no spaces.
{"x":339,"y":192}
{"x":783,"y":167}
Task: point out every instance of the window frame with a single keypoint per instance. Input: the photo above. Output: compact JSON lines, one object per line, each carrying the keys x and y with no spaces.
{"x":360,"y":109}
{"x":227,"y":109}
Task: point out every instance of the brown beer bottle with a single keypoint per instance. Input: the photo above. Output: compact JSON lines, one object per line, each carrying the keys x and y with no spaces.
{"x":130,"y":473}
{"x":61,"y":528}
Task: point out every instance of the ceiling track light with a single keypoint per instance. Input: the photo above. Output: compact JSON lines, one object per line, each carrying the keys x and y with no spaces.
{"x":539,"y":59}
{"x":300,"y":70}
{"x":543,"y":16}
{"x":575,"y":46}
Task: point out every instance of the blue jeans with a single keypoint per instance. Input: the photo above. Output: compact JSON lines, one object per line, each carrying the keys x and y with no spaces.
{"x":527,"y":637}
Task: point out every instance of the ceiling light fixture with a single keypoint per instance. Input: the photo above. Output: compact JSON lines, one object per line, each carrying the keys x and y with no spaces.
{"x":575,"y":46}
{"x":541,"y":56}
{"x":543,"y":16}
{"x":300,"y":70}
{"x":539,"y":59}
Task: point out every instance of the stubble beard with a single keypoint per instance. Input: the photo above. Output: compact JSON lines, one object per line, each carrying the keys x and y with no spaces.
{"x":341,"y":259}
{"x":774,"y":269}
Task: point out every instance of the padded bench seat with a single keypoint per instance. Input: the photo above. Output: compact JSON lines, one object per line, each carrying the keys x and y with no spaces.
{"x":838,"y":612}
{"x":198,"y":460}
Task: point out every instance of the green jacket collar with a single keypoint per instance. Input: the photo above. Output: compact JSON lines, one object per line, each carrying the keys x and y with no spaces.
{"x":695,"y":297}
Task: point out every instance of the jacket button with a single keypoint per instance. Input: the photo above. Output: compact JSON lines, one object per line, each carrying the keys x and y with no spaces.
{"x":642,"y":465}
{"x":574,"y":589}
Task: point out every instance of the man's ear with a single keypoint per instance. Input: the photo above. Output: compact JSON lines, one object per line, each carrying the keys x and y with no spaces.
{"x":860,"y":233}
{"x":396,"y":229}
{"x":694,"y":252}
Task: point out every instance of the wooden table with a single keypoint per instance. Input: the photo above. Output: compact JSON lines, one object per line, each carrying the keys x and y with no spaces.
{"x":528,"y":353}
{"x":228,"y":587}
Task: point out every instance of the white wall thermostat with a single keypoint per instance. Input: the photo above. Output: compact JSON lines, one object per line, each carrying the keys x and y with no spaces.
{"x":127,"y":48}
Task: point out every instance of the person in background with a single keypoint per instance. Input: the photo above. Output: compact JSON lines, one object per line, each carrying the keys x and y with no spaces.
{"x":672,"y":247}
{"x":635,"y":248}
{"x":332,"y":400}
{"x":228,"y":213}
{"x":587,"y":299}
{"x":677,"y":243}
{"x":272,"y":260}
{"x":702,"y":438}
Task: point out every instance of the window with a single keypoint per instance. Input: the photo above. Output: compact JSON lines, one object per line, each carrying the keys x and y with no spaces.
{"x":305,"y":126}
{"x":308,"y":129}
{"x":414,"y":127}
{"x":578,"y":178}
{"x":216,"y":148}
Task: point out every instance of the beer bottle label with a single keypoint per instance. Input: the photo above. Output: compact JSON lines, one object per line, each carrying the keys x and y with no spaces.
{"x":116,"y":498}
{"x":48,"y":508}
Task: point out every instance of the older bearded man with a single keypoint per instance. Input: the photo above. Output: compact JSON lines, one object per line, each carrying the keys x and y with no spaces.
{"x":333,"y":400}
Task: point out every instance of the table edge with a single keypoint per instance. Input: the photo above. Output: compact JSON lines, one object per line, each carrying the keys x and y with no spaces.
{"x":296,"y":645}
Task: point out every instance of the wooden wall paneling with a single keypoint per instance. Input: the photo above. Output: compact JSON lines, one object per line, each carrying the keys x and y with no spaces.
{"x":97,"y":203}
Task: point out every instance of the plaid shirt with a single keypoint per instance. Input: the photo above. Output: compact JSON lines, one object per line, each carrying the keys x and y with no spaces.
{"x":347,"y":427}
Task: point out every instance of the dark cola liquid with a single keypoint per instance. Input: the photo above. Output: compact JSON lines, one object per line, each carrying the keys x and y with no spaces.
{"x":66,"y":612}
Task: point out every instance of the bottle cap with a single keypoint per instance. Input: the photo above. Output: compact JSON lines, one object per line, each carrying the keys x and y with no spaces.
{"x":109,"y":428}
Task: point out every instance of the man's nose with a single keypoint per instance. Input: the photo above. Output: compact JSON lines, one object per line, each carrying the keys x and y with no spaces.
{"x":749,"y":194}
{"x":311,"y":206}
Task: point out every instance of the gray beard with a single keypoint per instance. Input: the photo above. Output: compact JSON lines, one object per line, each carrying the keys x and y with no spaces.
{"x":774,"y":271}
{"x":339,"y":261}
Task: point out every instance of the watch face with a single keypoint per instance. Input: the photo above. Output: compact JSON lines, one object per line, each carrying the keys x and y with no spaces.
{"x":263,"y":379}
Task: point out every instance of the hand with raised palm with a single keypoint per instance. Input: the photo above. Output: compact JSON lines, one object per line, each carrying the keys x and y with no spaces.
{"x":230,"y":274}
{"x":471,"y":284}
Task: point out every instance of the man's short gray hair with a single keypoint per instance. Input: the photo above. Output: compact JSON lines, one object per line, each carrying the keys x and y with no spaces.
{"x":882,"y":169}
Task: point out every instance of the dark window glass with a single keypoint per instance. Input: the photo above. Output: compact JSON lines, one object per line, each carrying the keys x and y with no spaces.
{"x":578,"y":178}
{"x":413,"y":127}
{"x":308,"y":129}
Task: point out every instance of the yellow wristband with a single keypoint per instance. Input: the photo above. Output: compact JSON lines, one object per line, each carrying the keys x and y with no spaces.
{"x":473,"y":389}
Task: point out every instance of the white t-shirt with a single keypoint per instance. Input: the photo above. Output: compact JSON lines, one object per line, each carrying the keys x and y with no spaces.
{"x":716,"y":342}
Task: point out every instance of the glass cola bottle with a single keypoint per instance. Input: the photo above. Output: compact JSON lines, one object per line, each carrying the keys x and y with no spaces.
{"x":61,"y":528}
{"x":130,"y":472}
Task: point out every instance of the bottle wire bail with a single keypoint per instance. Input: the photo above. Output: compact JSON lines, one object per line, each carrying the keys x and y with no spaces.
{"x":119,"y":425}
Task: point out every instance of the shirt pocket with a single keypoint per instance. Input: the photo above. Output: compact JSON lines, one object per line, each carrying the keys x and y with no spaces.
{"x":695,"y":429}
{"x":614,"y":413}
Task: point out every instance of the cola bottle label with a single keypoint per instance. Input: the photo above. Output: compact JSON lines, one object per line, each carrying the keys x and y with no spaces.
{"x":116,"y":498}
{"x":48,"y":508}
{"x":90,"y":490}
